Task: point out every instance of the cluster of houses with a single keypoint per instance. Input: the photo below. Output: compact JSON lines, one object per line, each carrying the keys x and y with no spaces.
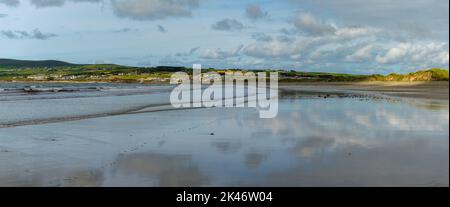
{"x":90,"y":77}
{"x":64,"y":77}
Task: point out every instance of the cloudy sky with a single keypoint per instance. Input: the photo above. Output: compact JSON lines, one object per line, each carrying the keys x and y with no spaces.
{"x":371,"y":36}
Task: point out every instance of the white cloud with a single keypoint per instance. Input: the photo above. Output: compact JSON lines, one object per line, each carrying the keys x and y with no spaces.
{"x":254,"y":12}
{"x":362,"y":54}
{"x":47,"y":3}
{"x":384,"y":13}
{"x":10,"y":2}
{"x":261,"y":37}
{"x":221,"y":54}
{"x":355,"y":32}
{"x":273,"y":49}
{"x":416,"y":53}
{"x":19,"y":34}
{"x":345,"y":34}
{"x":287,"y":39}
{"x":311,"y":26}
{"x":154,"y":9}
{"x":444,"y":58}
{"x":57,"y":3}
{"x":228,"y":25}
{"x":330,"y":44}
{"x":394,"y":54}
{"x":290,"y":47}
{"x":189,"y":53}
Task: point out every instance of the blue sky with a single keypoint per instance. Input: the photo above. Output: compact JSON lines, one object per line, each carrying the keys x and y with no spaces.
{"x":371,"y":36}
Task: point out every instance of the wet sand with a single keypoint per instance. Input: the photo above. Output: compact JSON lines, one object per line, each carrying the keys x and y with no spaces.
{"x":438,"y":90}
{"x":323,"y":136}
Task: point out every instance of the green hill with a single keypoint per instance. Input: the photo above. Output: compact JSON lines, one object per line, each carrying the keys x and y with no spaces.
{"x":434,"y":74}
{"x":11,"y":63}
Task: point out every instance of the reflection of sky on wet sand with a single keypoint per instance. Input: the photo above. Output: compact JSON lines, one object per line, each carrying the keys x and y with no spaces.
{"x":161,"y":169}
{"x":312,"y":142}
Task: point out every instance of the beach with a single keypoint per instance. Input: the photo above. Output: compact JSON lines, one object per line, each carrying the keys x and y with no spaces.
{"x":325,"y":134}
{"x":437,"y":90}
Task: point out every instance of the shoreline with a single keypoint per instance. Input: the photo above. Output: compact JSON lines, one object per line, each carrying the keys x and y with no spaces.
{"x":438,"y":90}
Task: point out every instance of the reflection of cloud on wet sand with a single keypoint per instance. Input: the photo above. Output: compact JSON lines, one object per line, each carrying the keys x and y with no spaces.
{"x":430,"y":105}
{"x":22,"y":180}
{"x":227,"y":146}
{"x":254,"y":160}
{"x":300,"y":127}
{"x":355,"y":145}
{"x":169,"y":170}
{"x":411,"y":121}
{"x":76,"y":178}
{"x":311,"y":143}
{"x":406,"y":162}
{"x":310,"y":146}
{"x":84,"y":179}
{"x":351,"y":123}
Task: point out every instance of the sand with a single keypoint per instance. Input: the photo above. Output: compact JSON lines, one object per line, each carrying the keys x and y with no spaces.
{"x":437,"y":90}
{"x":349,"y":141}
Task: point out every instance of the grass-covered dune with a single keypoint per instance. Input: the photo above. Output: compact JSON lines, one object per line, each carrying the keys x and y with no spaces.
{"x":24,"y":71}
{"x":434,"y":74}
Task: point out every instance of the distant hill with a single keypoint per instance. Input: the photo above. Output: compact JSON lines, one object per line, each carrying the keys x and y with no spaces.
{"x":32,"y":63}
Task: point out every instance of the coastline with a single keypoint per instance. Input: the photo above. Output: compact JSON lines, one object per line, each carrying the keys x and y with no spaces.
{"x":438,"y":90}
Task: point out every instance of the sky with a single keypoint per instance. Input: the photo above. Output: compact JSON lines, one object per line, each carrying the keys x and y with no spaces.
{"x":348,"y":36}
